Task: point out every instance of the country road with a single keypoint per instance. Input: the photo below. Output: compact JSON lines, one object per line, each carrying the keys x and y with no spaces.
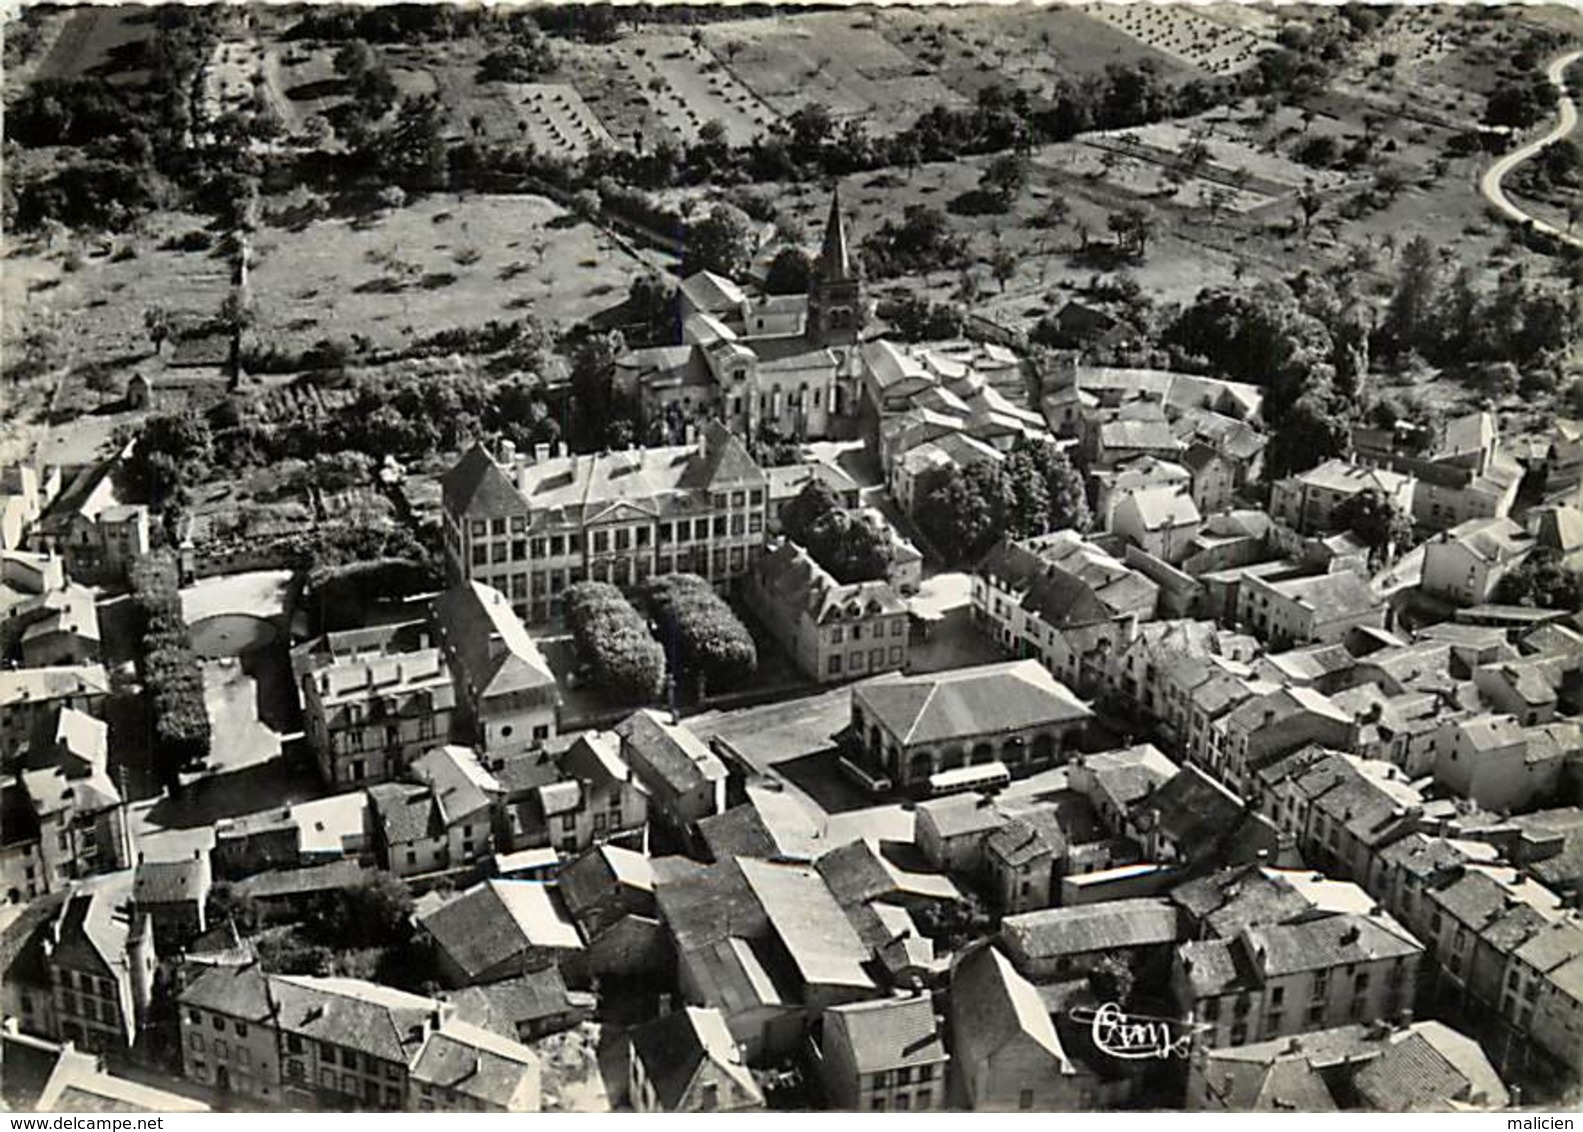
{"x":1491,"y":183}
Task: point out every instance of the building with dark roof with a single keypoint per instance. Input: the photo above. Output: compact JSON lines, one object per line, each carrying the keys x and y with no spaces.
{"x":1064,"y":943}
{"x":1273,"y":980}
{"x":507,"y":697}
{"x":833,"y":631}
{"x":500,"y":928}
{"x":174,"y":895}
{"x":1065,"y":600}
{"x":1013,"y":712}
{"x":342,"y":1044}
{"x":685,"y":780}
{"x":887,"y":1055}
{"x":687,"y":1061}
{"x":532,"y":528}
{"x":98,"y":955}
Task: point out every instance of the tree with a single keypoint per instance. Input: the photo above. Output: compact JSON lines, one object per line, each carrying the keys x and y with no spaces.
{"x":353,"y":59}
{"x":1411,"y":316}
{"x":1065,"y":495}
{"x":810,"y":126}
{"x":374,"y":912}
{"x":1376,"y":520}
{"x":703,"y":637}
{"x":613,"y":641}
{"x":1134,"y":228}
{"x":722,"y":242}
{"x":1541,"y":581}
{"x":1005,"y":178}
{"x":1003,"y":266}
{"x":851,"y":547}
{"x":596,"y":407}
{"x":156,"y":321}
{"x":816,"y":500}
{"x":1310,"y":201}
{"x":789,"y":272}
{"x":963,"y":511}
{"x":651,"y":302}
{"x":1111,"y":979}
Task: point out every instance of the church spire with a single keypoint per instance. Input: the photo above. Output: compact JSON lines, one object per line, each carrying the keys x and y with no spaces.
{"x":835,"y":260}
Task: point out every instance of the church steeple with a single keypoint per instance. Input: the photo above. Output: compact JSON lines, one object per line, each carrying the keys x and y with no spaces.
{"x":835,"y":259}
{"x":835,"y":291}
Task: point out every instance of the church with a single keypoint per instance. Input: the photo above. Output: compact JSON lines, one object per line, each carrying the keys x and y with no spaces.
{"x":781,"y":365}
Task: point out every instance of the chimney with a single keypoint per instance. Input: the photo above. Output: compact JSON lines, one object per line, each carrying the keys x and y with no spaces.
{"x":665,"y":1004}
{"x":508,"y":452}
{"x":522,"y":477}
{"x":541,"y":453}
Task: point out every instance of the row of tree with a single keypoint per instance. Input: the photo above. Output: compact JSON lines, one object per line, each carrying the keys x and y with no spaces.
{"x":179,"y":728}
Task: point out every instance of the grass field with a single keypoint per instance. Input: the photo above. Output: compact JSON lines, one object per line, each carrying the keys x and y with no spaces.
{"x":443,"y":261}
{"x":842,"y":60}
{"x":1190,"y":33}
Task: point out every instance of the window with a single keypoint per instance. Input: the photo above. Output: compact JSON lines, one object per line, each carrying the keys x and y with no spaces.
{"x":197,"y":1019}
{"x":834,"y":666}
{"x":710,"y":1098}
{"x":601,"y":542}
{"x":218,"y":1023}
{"x":293,"y":1044}
{"x":877,"y":1104}
{"x":568,"y":822}
{"x":1025,"y":1100}
{"x":904,"y":1076}
{"x":195,"y":1043}
{"x":903,"y":1102}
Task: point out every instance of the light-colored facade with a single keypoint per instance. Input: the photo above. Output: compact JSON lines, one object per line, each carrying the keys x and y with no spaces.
{"x":533,"y":528}
{"x":834,"y":632}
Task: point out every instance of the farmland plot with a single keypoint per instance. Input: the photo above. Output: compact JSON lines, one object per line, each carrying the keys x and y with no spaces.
{"x":1187,"y":33}
{"x":839,"y":59}
{"x":438,"y":263}
{"x":687,"y":86}
{"x":552,"y":117}
{"x":1031,"y":48}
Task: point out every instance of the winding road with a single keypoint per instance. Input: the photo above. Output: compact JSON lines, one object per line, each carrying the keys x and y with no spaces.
{"x":1491,"y":183}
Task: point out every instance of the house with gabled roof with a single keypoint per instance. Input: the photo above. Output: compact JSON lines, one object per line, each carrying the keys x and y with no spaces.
{"x":507,"y":697}
{"x":687,"y":1061}
{"x":499,"y":928}
{"x":887,"y":1055}
{"x":1005,"y":1052}
{"x":341,"y":1044}
{"x":685,"y":780}
{"x":1064,"y":600}
{"x":833,"y":631}
{"x":99,"y":957}
{"x":1273,"y":980}
{"x":1065,"y":943}
{"x":577,"y":792}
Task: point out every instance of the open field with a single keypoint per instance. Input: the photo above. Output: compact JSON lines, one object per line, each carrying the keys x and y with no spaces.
{"x":1195,"y":35}
{"x":1030,"y":48}
{"x":838,"y":59}
{"x":442,"y":261}
{"x":98,"y":41}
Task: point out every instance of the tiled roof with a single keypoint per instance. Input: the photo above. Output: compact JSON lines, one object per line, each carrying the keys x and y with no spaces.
{"x":1331,"y":941}
{"x":1192,"y":808}
{"x":673,"y":1047}
{"x":1026,"y":836}
{"x":889,"y":1033}
{"x":497,"y":920}
{"x":493,"y":653}
{"x":171,"y":882}
{"x":478,"y":1063}
{"x":1427,"y":1069}
{"x":458,"y":781}
{"x":506,"y":1005}
{"x":406,"y":814}
{"x":1107,"y":925}
{"x":812,"y":928}
{"x":671,"y":751}
{"x":967,"y":703}
{"x":993,"y":1006}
